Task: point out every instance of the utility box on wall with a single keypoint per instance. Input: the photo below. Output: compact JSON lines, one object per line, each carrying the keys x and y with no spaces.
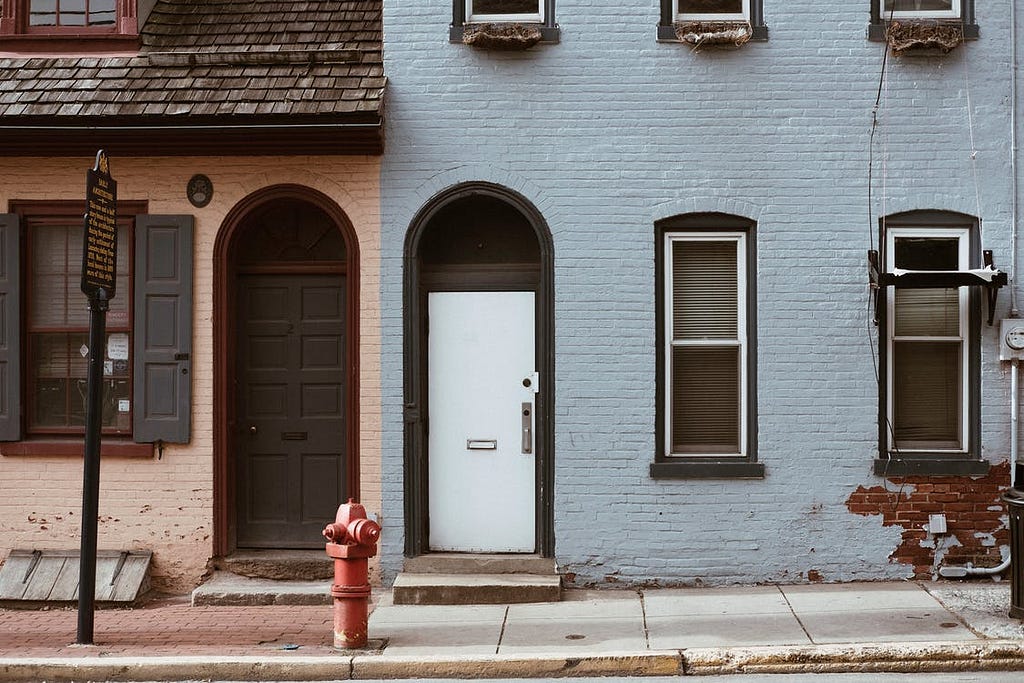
{"x":1011,"y":339}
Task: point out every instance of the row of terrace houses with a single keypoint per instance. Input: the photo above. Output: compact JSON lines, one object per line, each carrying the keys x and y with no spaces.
{"x":612,"y":290}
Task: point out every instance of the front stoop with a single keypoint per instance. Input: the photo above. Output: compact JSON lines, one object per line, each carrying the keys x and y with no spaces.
{"x":467,"y":579}
{"x":224,"y":588}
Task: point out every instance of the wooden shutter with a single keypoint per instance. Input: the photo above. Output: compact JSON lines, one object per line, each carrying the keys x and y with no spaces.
{"x":163,"y":329}
{"x":10,"y":330}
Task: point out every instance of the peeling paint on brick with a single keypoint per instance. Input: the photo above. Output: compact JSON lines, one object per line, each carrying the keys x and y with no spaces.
{"x":975,"y":517}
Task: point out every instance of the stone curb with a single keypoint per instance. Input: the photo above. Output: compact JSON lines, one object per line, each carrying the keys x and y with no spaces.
{"x":1006,"y":655}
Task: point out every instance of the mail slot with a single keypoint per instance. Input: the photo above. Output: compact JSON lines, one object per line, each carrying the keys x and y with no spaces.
{"x":294,"y":436}
{"x":482,"y":444}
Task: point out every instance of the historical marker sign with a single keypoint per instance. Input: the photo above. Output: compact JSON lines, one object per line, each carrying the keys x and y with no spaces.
{"x":99,"y":257}
{"x":99,"y":275}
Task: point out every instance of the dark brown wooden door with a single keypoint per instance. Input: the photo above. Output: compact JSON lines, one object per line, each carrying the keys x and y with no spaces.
{"x":290,"y":460}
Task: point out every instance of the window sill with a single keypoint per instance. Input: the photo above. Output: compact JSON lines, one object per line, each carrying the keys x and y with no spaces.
{"x":667,"y":34}
{"x":930,"y":467}
{"x":877,"y":32}
{"x":111,"y":448}
{"x":720,"y":469}
{"x":69,"y":43}
{"x":549,"y":35}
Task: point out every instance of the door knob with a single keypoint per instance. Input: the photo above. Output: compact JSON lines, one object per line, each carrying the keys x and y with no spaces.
{"x":252,"y":429}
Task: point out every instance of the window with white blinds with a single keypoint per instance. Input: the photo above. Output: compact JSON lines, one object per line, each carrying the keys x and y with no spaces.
{"x":58,"y":334}
{"x":927,"y":355}
{"x":705,"y":319}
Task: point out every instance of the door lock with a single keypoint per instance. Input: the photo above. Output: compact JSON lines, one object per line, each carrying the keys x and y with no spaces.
{"x":527,"y":413}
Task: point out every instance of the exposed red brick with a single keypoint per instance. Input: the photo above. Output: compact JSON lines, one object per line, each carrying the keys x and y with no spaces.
{"x":908,"y":501}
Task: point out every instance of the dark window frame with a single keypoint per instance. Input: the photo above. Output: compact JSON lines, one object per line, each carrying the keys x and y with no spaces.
{"x":894,"y":462}
{"x":667,"y":21}
{"x":666,"y":466}
{"x":549,"y":30}
{"x":34,"y":215}
{"x":880,"y":21}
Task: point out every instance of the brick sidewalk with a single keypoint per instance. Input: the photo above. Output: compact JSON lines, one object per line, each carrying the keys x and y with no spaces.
{"x":170,"y":627}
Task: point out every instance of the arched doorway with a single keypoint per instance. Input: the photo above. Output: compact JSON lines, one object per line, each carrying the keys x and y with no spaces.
{"x":479,"y":373}
{"x":286,"y":341}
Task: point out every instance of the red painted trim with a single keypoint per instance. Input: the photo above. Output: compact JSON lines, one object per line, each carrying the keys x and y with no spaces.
{"x":225,"y":271}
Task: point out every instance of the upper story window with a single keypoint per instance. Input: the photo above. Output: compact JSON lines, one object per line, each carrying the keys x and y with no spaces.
{"x":958,"y":14}
{"x":503,"y":24}
{"x":76,"y":14}
{"x":705,"y":10}
{"x":712,"y":16}
{"x":504,"y":10}
{"x":55,"y":26}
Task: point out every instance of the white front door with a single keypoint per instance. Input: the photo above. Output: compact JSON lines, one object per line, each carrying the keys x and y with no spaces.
{"x":482,"y":428}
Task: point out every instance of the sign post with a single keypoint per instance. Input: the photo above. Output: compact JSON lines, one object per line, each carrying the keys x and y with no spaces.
{"x":99,"y":277}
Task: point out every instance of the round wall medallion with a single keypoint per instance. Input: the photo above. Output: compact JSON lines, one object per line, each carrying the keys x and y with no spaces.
{"x":200,"y":190}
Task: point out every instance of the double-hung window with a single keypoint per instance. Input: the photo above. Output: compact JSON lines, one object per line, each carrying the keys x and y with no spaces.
{"x":44,"y":338}
{"x":54,"y":25}
{"x":58,"y":332}
{"x":958,"y":12}
{"x":504,"y":10}
{"x":686,"y":11}
{"x":931,"y":353}
{"x":535,"y":13}
{"x":705,"y":355}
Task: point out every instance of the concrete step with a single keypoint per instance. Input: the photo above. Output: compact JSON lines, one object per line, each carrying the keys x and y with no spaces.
{"x":480,"y":563}
{"x":291,"y":565}
{"x":474,"y":589}
{"x":225,"y":588}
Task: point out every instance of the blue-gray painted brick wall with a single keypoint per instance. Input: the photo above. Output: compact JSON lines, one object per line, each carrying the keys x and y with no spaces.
{"x":609,"y":131}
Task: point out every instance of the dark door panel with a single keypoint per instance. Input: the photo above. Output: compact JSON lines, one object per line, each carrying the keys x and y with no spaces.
{"x":291,"y":460}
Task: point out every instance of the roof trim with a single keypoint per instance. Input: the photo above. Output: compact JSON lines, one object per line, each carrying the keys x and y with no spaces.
{"x":206,"y":139}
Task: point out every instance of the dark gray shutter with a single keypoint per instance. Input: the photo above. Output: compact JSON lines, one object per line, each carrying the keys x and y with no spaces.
{"x":163,"y":329}
{"x":10,"y":330}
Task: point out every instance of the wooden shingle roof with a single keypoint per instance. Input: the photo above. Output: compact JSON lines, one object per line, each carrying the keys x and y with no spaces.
{"x":304,"y":76}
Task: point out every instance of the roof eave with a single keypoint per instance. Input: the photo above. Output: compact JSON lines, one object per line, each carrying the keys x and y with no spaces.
{"x":357,"y":134}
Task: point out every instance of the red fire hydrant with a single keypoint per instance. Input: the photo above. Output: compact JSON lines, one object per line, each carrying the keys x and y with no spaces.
{"x":351,"y":540}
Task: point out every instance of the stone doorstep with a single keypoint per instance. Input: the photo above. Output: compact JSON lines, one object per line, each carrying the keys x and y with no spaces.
{"x":227,"y":589}
{"x":474,"y":589}
{"x":480,"y":563}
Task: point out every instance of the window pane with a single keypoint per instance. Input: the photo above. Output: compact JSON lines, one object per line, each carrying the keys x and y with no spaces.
{"x":928,"y":312}
{"x":505,"y":7}
{"x":60,"y":373}
{"x":927,"y":253}
{"x":705,"y":399}
{"x":710,"y":6}
{"x":42,"y":13}
{"x":704,"y":294}
{"x":927,"y":390}
{"x":102,"y":12}
{"x":919,"y":5}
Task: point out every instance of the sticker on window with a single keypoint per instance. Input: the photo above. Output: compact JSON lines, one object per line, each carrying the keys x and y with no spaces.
{"x":124,"y":405}
{"x":117,"y":346}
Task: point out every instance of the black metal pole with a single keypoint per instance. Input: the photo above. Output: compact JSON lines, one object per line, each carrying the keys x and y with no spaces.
{"x":98,"y":306}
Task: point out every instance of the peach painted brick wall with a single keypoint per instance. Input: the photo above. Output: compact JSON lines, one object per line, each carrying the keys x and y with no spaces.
{"x":166,"y":505}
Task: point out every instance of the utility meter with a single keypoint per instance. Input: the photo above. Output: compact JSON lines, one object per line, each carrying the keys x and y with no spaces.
{"x":1011,"y":339}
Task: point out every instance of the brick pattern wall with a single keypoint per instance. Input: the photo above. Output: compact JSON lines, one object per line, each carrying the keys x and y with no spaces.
{"x":609,"y":131}
{"x":166,"y":505}
{"x":976,"y":518}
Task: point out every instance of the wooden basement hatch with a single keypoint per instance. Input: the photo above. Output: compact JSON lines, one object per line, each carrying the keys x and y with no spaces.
{"x":989,"y":277}
{"x":49,"y":576}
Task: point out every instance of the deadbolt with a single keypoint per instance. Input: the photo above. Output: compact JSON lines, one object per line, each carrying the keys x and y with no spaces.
{"x":527,"y":382}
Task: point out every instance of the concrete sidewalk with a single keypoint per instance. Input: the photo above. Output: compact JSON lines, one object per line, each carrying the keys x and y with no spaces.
{"x":800,"y":628}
